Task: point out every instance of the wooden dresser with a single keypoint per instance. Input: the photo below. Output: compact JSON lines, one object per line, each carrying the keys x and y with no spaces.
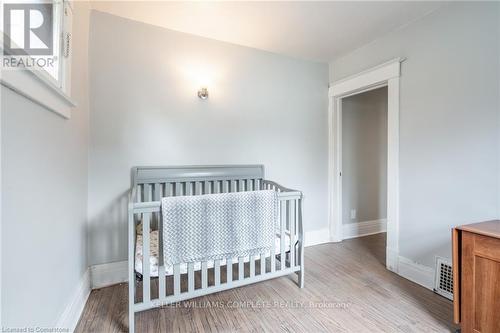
{"x":476,"y":277}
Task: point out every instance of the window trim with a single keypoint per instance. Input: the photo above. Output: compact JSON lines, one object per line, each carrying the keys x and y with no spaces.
{"x":37,"y":85}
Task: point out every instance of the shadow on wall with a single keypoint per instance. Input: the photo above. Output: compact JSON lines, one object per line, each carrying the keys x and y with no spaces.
{"x":108,"y":231}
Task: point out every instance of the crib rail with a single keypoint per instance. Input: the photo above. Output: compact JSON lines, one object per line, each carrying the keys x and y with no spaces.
{"x":145,"y":206}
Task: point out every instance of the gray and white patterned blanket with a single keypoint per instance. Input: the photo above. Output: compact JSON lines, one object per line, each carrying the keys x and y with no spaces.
{"x":218,"y":226}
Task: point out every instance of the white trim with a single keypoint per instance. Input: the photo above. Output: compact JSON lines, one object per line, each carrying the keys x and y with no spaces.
{"x":37,"y":85}
{"x":32,"y":86}
{"x":71,"y":315}
{"x":393,"y":165}
{"x":418,"y":273}
{"x":105,"y":275}
{"x":317,"y":237}
{"x":365,"y":228}
{"x":391,"y":259}
{"x":333,"y":208}
{"x":365,"y":79}
{"x":386,"y":74}
{"x":1,"y":222}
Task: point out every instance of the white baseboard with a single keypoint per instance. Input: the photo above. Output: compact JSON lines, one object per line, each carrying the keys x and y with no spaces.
{"x":117,"y":272}
{"x":71,"y":315}
{"x":105,"y":275}
{"x":359,"y":229}
{"x":108,"y":274}
{"x":317,"y":237}
{"x":418,"y":273}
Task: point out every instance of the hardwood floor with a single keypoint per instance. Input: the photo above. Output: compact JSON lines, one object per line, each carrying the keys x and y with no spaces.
{"x":347,"y":289}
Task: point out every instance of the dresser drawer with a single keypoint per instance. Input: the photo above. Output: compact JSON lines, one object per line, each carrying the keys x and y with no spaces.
{"x":487,"y":247}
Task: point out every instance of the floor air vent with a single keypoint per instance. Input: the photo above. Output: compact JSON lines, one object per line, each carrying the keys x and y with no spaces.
{"x":443,"y":284}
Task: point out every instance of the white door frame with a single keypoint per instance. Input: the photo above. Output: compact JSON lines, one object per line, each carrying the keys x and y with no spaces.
{"x":386,"y":74}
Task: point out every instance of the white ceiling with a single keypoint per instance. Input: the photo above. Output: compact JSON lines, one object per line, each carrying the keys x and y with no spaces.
{"x":320,"y":31}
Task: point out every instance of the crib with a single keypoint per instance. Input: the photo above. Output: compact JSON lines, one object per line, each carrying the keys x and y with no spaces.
{"x":154,"y":284}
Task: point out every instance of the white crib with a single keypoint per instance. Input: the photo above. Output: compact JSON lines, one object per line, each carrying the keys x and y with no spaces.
{"x":153,"y":284}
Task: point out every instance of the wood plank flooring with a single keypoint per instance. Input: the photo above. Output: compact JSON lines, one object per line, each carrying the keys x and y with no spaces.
{"x":347,"y":289}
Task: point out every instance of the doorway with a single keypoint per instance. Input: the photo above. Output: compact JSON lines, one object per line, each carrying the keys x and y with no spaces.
{"x":385,"y":75}
{"x":364,"y":163}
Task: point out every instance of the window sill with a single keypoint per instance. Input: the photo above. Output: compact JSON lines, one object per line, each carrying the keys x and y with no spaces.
{"x":33,"y":86}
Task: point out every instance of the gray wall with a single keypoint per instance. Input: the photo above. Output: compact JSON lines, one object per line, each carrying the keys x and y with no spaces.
{"x":44,"y":195}
{"x":263,"y":108}
{"x":364,"y":156}
{"x":448,"y":122}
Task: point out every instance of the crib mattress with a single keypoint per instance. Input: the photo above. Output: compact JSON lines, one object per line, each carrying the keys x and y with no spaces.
{"x":153,"y":255}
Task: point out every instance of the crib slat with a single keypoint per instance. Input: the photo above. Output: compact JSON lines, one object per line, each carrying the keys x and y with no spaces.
{"x":241,"y":268}
{"x":282,"y":234}
{"x":217,"y":272}
{"x":138,"y":193}
{"x":161,"y":282}
{"x":161,"y":265}
{"x":131,"y":265}
{"x":225,"y":186}
{"x":190,"y":277}
{"x":300,"y":248}
{"x":155,"y":222}
{"x":229,"y":270}
{"x":291,"y":217}
{"x":145,"y":258}
{"x":297,"y":231}
{"x":168,"y":189}
{"x":158,"y":191}
{"x":178,"y":189}
{"x":206,"y":187}
{"x":204,"y":275}
{"x":252,"y":266}
{"x":273,"y":257}
{"x":177,"y":279}
{"x":262,"y":263}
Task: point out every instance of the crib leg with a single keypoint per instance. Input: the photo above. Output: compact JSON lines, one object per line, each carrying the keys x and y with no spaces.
{"x":301,"y":272}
